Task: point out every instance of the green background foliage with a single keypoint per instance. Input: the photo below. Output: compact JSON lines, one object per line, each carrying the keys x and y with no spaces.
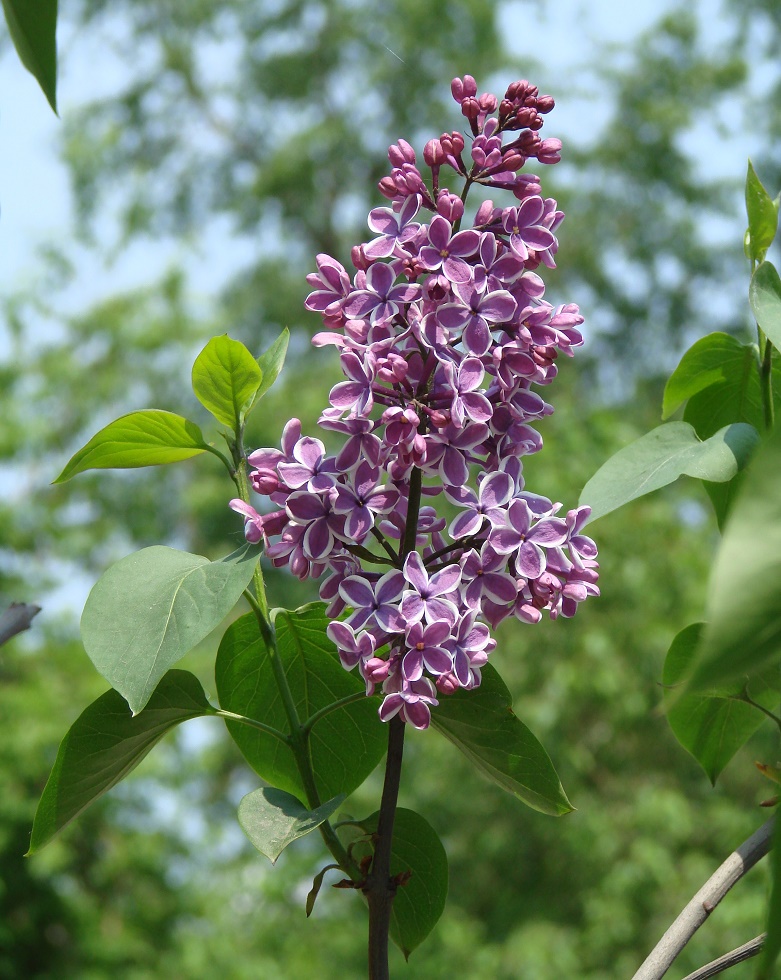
{"x":285,"y":147}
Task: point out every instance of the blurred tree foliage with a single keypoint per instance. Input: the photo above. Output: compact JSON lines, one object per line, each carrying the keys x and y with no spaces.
{"x":273,"y":118}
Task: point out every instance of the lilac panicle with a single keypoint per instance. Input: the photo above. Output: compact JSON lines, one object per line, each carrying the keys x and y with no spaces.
{"x":443,"y":337}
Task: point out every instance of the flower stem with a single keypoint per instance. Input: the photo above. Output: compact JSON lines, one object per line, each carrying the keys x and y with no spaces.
{"x":380,"y":887}
{"x":766,"y":381}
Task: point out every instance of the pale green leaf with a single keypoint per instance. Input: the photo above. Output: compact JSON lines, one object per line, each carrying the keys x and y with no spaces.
{"x":660,"y":457}
{"x":149,"y":609}
{"x":272,"y":819}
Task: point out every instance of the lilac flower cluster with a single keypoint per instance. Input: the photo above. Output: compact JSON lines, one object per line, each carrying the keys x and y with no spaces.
{"x":443,"y":334}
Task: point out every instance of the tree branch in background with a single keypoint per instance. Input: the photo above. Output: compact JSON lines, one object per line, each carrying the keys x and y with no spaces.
{"x":704,"y":902}
{"x":744,"y":952}
{"x":16,"y":619}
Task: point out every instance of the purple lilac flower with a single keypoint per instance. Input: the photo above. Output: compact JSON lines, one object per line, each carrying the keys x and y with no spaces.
{"x":445,"y":341}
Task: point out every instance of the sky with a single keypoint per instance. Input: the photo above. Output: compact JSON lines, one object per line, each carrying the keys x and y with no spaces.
{"x":35,"y":206}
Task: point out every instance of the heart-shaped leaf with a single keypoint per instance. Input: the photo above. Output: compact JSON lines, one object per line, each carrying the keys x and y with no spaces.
{"x":345,"y":746}
{"x":713,"y":726}
{"x":151,"y":608}
{"x":419,"y":903}
{"x":147,"y":438}
{"x":105,"y":743}
{"x":225,"y":379}
{"x":661,"y":456}
{"x":482,"y":725}
{"x":272,"y":819}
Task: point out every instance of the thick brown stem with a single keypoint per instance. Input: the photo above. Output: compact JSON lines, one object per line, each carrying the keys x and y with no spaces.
{"x":379,"y":887}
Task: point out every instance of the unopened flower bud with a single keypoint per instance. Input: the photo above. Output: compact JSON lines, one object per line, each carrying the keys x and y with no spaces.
{"x":488,"y":102}
{"x":447,"y":683}
{"x":470,"y":108}
{"x":433,"y":154}
{"x":545,"y":103}
{"x":549,"y":150}
{"x":450,"y":206}
{"x":400,"y":153}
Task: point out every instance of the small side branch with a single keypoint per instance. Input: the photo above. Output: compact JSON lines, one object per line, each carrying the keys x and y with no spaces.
{"x":704,"y":902}
{"x":744,"y":952}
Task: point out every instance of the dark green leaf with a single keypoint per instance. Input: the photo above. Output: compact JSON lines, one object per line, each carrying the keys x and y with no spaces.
{"x":225,"y":379}
{"x":765,"y":297}
{"x":147,"y":438}
{"x":105,"y":743}
{"x":271,"y":362}
{"x":33,"y":29}
{"x":773,"y":941}
{"x":762,"y":217}
{"x":660,"y":457}
{"x":345,"y":745}
{"x":482,"y":725}
{"x":419,"y":903}
{"x":743,"y":633}
{"x":716,"y":359}
{"x":151,"y":608}
{"x":272,"y":819}
{"x":713,"y":726}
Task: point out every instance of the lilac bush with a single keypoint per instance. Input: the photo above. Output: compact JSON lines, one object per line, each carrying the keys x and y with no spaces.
{"x":443,"y":335}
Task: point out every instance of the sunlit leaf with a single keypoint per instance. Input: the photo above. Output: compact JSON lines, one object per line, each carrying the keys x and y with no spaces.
{"x":32,"y":25}
{"x":660,"y":457}
{"x":482,"y":725}
{"x":345,"y":746}
{"x":743,"y":633}
{"x":147,"y":438}
{"x":762,"y":214}
{"x":271,"y":362}
{"x":713,"y":726}
{"x":272,"y":819}
{"x":105,"y":743}
{"x":225,"y":379}
{"x":418,"y":904}
{"x":149,"y":609}
{"x":721,"y":360}
{"x":765,"y":298}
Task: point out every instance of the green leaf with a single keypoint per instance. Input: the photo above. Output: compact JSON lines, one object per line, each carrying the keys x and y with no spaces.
{"x":271,"y":362}
{"x":345,"y":746}
{"x":660,"y":457}
{"x":149,"y":609}
{"x":272,"y":819}
{"x":762,"y":217}
{"x":105,"y":743}
{"x":147,"y":438}
{"x":773,"y":941}
{"x":482,"y":725}
{"x":765,"y":297}
{"x":33,"y":29}
{"x":418,"y":904}
{"x":226,"y":378}
{"x":743,"y":633}
{"x":713,"y":726}
{"x":719,"y":360}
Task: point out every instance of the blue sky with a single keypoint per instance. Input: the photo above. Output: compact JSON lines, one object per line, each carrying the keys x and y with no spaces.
{"x":34,"y":194}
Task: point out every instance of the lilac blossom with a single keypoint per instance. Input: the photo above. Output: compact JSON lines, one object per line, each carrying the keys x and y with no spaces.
{"x":445,"y":341}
